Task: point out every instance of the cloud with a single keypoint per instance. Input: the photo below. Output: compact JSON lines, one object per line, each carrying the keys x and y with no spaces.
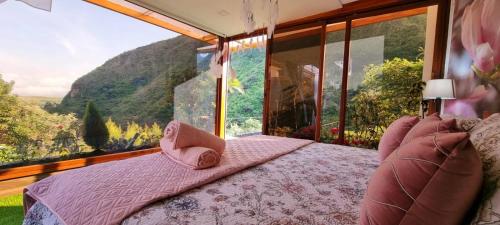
{"x":24,"y":85}
{"x":44,"y":53}
{"x":37,"y":90}
{"x":66,"y":43}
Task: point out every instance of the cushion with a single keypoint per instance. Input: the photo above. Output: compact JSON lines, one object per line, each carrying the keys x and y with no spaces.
{"x":428,"y":126}
{"x":485,"y":137}
{"x":463,"y":123}
{"x":394,"y":134}
{"x":466,"y":124}
{"x":424,"y":182}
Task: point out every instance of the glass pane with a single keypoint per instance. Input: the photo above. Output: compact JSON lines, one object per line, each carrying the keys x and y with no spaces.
{"x":194,"y":100}
{"x":85,"y":85}
{"x":332,"y":82}
{"x":245,"y":87}
{"x":386,"y":65}
{"x":294,"y":72}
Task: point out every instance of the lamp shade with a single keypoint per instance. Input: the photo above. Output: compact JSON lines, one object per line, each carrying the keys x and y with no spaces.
{"x":439,"y":89}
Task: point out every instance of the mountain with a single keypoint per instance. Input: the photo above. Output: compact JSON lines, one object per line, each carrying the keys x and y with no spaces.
{"x":137,"y":85}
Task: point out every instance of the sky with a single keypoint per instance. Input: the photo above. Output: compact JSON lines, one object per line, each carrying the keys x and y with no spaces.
{"x":44,"y":52}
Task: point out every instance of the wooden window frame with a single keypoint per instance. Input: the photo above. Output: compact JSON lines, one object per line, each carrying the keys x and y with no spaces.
{"x":382,"y":10}
{"x":31,"y":170}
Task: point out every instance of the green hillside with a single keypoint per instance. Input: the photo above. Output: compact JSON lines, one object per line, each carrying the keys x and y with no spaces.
{"x":136,"y":85}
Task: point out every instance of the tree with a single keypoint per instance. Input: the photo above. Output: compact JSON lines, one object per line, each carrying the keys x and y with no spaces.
{"x":95,"y":132}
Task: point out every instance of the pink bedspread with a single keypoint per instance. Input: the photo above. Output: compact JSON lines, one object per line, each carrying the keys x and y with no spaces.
{"x":108,"y":193}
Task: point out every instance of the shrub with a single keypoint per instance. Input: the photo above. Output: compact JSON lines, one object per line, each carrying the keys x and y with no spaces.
{"x":95,"y":133}
{"x":115,"y":131}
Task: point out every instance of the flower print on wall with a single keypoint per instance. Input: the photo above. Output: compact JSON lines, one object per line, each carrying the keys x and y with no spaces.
{"x":474,"y":58}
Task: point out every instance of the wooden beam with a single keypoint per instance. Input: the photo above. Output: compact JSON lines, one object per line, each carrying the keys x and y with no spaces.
{"x":299,"y":34}
{"x":380,"y":18}
{"x":172,"y":25}
{"x":220,"y":104}
{"x":319,"y":100}
{"x":440,"y":44}
{"x":345,"y":72}
{"x":358,"y":9}
{"x":23,"y":171}
{"x":267,"y":89}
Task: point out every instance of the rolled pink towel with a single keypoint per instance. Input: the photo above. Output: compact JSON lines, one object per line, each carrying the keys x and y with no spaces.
{"x":179,"y":135}
{"x":192,"y":157}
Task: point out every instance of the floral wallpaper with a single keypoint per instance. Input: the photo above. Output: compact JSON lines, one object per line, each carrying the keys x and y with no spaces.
{"x":474,"y":58}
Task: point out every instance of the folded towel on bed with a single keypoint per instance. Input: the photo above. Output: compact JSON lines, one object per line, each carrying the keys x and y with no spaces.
{"x":179,"y":135}
{"x":193,"y":157}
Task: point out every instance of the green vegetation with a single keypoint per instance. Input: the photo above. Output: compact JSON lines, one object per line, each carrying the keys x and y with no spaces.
{"x":384,"y":83}
{"x":11,"y":210}
{"x":388,"y":92}
{"x":134,"y":137}
{"x":195,"y":101}
{"x":139,"y":91}
{"x":244,"y":108}
{"x":95,"y":132}
{"x":28,"y":132}
{"x":134,"y":91}
{"x":137,"y":85}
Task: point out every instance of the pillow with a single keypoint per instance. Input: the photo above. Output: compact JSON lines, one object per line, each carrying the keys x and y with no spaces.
{"x":485,"y":137}
{"x":463,"y":123}
{"x":394,"y":134}
{"x":428,"y":126}
{"x":424,"y":182}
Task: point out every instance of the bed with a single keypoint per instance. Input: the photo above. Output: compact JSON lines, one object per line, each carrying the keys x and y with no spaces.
{"x":316,"y":184}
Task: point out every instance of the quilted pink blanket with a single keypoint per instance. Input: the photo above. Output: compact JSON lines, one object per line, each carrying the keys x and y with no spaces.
{"x":105,"y":194}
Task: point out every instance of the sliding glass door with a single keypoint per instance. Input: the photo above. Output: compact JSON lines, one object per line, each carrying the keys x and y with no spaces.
{"x":293,"y":75}
{"x":364,"y":85}
{"x":385,"y":72}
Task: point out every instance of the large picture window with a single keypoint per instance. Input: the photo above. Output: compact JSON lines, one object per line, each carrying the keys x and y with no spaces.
{"x":83,"y":80}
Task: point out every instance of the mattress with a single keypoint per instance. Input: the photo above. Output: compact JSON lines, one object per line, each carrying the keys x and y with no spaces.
{"x":317,"y":184}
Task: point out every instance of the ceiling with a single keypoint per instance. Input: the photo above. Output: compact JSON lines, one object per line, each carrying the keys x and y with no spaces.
{"x":222,"y":17}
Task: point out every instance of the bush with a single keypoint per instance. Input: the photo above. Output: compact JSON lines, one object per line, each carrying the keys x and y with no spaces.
{"x":95,"y":132}
{"x":389,"y":91}
{"x":134,"y":136}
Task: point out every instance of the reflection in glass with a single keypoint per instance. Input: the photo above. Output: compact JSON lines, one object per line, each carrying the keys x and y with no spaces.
{"x":294,"y":72}
{"x":194,"y":100}
{"x":386,"y":65}
{"x":332,"y":82}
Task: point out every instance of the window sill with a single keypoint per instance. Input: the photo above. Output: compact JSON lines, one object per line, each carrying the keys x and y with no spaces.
{"x":23,"y":171}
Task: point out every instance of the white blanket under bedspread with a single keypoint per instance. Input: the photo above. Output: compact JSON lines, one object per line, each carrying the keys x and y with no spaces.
{"x":318,"y":184}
